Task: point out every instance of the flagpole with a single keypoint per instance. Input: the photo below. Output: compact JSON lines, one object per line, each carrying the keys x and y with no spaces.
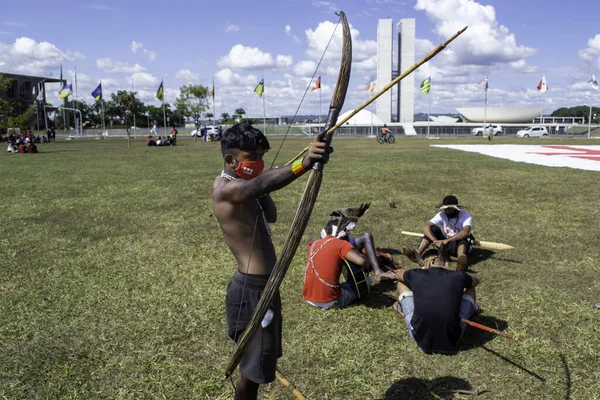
{"x":264,"y":109}
{"x":37,"y":107}
{"x":103,"y":123}
{"x":485,"y":109}
{"x":78,"y":130}
{"x":134,"y":124}
{"x":372,"y":112}
{"x":213,"y":96}
{"x":541,"y":107}
{"x":164,"y":115}
{"x":429,"y":113}
{"x":319,"y":106}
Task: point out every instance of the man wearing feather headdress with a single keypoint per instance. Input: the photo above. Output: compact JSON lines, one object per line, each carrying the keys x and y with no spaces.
{"x":326,"y":258}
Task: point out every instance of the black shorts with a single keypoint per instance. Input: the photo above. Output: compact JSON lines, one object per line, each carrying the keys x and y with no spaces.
{"x":452,"y":246}
{"x":260,"y":360}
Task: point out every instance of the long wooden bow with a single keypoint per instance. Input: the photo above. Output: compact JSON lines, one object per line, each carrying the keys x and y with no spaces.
{"x":304,"y":209}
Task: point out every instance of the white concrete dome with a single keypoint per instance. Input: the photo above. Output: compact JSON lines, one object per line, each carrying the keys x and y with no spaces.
{"x":500,"y":114}
{"x":363,"y":118}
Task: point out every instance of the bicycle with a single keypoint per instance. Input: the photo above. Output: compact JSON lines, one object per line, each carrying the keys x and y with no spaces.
{"x":389,"y":138}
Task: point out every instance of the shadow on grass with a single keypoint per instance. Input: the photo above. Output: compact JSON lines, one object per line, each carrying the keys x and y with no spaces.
{"x":378,"y":296}
{"x":445,"y":387}
{"x":393,"y":252}
{"x":479,"y":255}
{"x":527,"y":371}
{"x":474,"y":337}
{"x":567,"y":376}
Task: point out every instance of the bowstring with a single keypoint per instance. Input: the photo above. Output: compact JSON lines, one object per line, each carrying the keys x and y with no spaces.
{"x":305,"y":92}
{"x":272,"y":163}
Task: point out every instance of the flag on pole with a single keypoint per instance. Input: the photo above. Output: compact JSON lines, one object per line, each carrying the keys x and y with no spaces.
{"x":212,"y":91}
{"x":97,"y":93}
{"x":370,"y":86}
{"x":593,"y":83}
{"x":40,"y":96}
{"x":426,"y":85}
{"x":160,"y":93}
{"x":542,"y":86}
{"x":317,"y":84}
{"x":483,"y":85}
{"x":66,"y":91}
{"x":260,"y":88}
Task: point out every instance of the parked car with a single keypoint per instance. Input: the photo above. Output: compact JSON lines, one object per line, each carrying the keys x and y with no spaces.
{"x":533,"y":131}
{"x":211,"y":130}
{"x":480,"y":131}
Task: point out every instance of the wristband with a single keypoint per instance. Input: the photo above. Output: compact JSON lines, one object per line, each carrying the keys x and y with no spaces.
{"x":297,"y":168}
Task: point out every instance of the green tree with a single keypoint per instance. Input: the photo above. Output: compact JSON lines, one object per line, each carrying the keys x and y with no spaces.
{"x":156,"y":114}
{"x":239,"y":113}
{"x":192,"y":101}
{"x":209,"y":115}
{"x":24,"y":121}
{"x":225,"y":117}
{"x":5,"y":106}
{"x":577,"y":111}
{"x":125,"y":104}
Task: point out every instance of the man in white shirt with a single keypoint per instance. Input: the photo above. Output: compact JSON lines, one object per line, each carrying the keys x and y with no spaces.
{"x":449,"y":229}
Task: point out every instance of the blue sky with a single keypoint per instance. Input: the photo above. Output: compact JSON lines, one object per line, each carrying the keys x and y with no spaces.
{"x":238,"y":42}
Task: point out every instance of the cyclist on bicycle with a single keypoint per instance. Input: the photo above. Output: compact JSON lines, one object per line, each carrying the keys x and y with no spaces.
{"x":385,"y":131}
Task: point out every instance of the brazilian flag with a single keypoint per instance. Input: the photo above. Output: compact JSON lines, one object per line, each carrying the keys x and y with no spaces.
{"x":260,"y":89}
{"x":426,"y":85}
{"x":97,"y":93}
{"x":160,"y":93}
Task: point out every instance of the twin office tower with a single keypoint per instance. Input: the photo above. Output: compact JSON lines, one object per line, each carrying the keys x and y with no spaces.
{"x":405,"y":106}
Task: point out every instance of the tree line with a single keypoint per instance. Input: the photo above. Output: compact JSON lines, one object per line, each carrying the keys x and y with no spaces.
{"x":192,"y":106}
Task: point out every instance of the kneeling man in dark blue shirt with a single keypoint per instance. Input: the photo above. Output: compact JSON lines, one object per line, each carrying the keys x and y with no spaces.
{"x":433,"y":300}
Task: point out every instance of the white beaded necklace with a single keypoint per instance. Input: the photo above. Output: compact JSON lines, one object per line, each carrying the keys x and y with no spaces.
{"x":231,"y":178}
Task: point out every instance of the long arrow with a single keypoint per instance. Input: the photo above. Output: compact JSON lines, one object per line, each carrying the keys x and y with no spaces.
{"x":476,"y":243}
{"x":387,"y":87}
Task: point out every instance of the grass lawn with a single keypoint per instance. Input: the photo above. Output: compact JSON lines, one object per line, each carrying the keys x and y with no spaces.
{"x":113,"y":273}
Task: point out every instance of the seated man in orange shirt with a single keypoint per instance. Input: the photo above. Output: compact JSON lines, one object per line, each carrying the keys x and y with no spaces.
{"x":325,"y":262}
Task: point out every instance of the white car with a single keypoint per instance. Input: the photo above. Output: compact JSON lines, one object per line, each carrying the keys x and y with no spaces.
{"x":533,"y":131}
{"x":211,"y":130}
{"x":480,"y":131}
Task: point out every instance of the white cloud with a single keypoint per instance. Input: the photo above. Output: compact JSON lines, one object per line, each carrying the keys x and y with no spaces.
{"x":26,"y":56}
{"x":486,"y":41}
{"x":288,"y":31}
{"x":187,"y":75}
{"x":243,"y":57}
{"x":109,"y":65}
{"x":101,"y":7}
{"x":305,"y":68}
{"x":227,"y":77}
{"x":591,"y":54}
{"x":522,"y":66}
{"x":328,"y":6}
{"x":135,"y":46}
{"x":144,"y":80}
{"x":318,"y":39}
{"x":139,"y":46}
{"x":15,"y":24}
{"x":232,"y":28}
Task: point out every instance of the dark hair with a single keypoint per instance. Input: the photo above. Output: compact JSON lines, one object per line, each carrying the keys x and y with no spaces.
{"x":450,"y":201}
{"x":243,"y":137}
